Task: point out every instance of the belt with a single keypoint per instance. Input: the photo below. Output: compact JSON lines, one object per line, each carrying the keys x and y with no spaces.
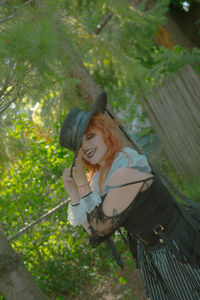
{"x":160,"y":232}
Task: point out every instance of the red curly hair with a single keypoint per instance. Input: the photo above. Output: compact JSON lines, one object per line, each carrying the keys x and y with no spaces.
{"x":113,"y":142}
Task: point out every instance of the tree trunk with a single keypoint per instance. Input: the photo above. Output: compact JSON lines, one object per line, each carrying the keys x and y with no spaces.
{"x":87,"y":87}
{"x":16,"y":282}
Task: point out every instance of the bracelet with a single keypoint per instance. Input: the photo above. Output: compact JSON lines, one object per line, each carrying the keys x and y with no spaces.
{"x":75,"y":204}
{"x":80,"y":186}
{"x":87,"y":195}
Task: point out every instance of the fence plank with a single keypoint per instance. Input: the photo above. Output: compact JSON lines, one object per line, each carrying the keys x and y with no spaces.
{"x":174,"y":111}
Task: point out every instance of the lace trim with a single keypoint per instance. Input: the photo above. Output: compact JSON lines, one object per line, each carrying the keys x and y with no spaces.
{"x":91,"y":201}
{"x":132,"y":160}
{"x":78,"y":214}
{"x":128,"y":159}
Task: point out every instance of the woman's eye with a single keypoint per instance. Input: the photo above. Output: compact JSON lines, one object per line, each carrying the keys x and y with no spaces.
{"x":90,"y":135}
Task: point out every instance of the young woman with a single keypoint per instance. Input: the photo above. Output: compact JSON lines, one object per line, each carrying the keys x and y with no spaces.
{"x":120,"y":190}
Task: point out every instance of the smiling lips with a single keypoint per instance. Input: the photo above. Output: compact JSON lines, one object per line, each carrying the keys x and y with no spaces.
{"x":90,"y":152}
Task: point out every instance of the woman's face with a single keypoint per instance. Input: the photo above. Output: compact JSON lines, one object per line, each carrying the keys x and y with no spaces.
{"x":93,"y":146}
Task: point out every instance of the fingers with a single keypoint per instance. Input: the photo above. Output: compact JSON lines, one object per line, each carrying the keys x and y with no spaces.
{"x":66,"y":172}
{"x":79,"y":155}
{"x":67,"y":175}
{"x":76,"y":170}
{"x":79,"y":163}
{"x":68,"y":181}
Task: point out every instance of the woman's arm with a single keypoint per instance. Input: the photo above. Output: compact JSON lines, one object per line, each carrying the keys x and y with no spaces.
{"x":77,"y":187}
{"x":71,"y":187}
{"x":76,"y":193}
{"x":118,"y":199}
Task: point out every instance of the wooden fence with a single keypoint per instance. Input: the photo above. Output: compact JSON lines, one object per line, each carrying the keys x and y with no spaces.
{"x":174,"y":111}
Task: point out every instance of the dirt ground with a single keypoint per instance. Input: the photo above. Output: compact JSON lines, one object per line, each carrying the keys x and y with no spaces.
{"x":125,"y":284}
{"x":111,"y":289}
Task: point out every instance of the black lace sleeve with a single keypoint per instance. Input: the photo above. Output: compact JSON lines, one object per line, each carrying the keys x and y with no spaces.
{"x":101,"y":226}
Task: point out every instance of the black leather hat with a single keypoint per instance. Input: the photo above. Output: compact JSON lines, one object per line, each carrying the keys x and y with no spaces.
{"x":76,"y":123}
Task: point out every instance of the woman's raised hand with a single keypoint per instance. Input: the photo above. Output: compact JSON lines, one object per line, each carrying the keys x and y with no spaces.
{"x":78,"y":171}
{"x":71,"y":187}
{"x":69,"y":183}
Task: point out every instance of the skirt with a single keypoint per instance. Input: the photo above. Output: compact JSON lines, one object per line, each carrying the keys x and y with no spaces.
{"x":164,"y":277}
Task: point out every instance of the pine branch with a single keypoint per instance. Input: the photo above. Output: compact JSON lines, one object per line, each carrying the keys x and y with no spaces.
{"x":40,"y":219}
{"x":4,"y":93}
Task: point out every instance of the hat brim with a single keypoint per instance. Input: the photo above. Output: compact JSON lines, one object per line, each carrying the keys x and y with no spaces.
{"x":99,"y":106}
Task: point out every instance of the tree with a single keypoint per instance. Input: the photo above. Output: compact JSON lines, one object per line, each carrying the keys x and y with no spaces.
{"x":16,"y":282}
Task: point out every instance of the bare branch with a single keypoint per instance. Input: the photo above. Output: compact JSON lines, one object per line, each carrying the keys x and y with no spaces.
{"x":15,"y":14}
{"x":4,"y":93}
{"x":4,"y":102}
{"x":104,"y":23}
{"x":8,"y":18}
{"x":40,"y":219}
{"x":2,"y":2}
{"x":2,"y":109}
{"x":8,"y":93}
{"x":8,"y":82}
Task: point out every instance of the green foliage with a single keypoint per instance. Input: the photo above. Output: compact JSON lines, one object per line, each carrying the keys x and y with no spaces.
{"x":33,"y":47}
{"x":189,"y":189}
{"x":36,"y":152}
{"x":167,"y":62}
{"x":119,"y":53}
{"x":192,"y":190}
{"x":31,"y":51}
